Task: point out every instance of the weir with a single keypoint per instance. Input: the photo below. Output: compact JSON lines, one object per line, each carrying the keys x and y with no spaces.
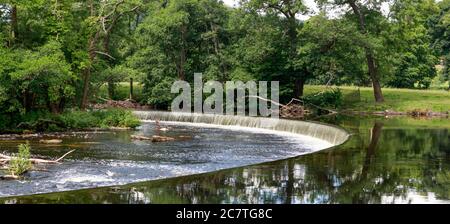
{"x":331,"y":134}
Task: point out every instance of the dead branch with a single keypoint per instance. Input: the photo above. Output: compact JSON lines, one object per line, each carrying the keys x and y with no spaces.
{"x":63,"y":156}
{"x":295,"y":108}
{"x":290,"y":110}
{"x":4,"y":159}
{"x":318,"y":107}
{"x":7,"y":159}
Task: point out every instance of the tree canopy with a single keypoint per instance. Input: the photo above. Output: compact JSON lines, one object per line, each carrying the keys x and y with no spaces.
{"x":57,"y":54}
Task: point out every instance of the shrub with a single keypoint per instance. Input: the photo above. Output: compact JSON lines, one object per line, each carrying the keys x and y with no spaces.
{"x":326,"y":99}
{"x":117,"y":118}
{"x":43,"y":121}
{"x":21,"y":163}
{"x":79,"y":120}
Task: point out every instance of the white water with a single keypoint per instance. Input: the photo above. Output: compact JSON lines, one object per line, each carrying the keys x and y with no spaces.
{"x":304,"y":140}
{"x":330,"y":134}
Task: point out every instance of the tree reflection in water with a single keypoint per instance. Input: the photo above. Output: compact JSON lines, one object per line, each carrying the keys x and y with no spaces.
{"x":385,"y":161}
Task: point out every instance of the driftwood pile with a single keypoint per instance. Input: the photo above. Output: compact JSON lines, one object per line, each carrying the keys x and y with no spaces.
{"x":126,"y":104}
{"x":294,"y":109}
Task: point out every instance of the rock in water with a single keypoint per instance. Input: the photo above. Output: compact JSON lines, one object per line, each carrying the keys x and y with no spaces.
{"x":157,"y":138}
{"x":140,"y":137}
{"x":154,"y":138}
{"x":51,"y":141}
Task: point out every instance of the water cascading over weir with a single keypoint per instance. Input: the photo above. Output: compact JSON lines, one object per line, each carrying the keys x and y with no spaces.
{"x":333,"y":135}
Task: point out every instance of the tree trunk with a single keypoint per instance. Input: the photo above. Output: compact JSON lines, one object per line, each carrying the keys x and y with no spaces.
{"x":373,"y":71}
{"x":14,"y":24}
{"x":290,"y":182}
{"x":181,"y":72}
{"x":216,"y":44}
{"x":28,"y":101}
{"x":299,"y":87}
{"x":374,"y":139}
{"x":131,"y":88}
{"x":106,"y":43}
{"x":86,"y":80}
{"x":111,"y":89}
{"x":87,"y":71}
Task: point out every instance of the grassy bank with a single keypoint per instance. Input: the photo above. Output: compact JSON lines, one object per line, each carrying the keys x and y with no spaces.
{"x":401,"y":100}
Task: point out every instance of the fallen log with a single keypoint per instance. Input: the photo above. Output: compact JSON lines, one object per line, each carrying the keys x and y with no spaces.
{"x":9,"y":177}
{"x":51,"y":141}
{"x":140,"y":137}
{"x":4,"y":159}
{"x":154,"y":138}
{"x":157,"y":138}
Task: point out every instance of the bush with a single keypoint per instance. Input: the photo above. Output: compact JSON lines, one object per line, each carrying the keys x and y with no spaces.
{"x":117,"y":118}
{"x":76,"y":120}
{"x":21,"y":163}
{"x":79,"y":120}
{"x":326,"y":99}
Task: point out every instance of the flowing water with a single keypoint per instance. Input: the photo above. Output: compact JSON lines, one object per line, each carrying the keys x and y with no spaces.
{"x":386,"y":160}
{"x":112,"y":158}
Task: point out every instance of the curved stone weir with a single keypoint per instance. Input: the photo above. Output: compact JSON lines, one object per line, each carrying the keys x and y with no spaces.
{"x":214,"y":142}
{"x":331,"y":134}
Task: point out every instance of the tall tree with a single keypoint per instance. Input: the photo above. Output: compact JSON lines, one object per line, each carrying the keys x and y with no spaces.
{"x":413,"y":61}
{"x":361,"y":11}
{"x":439,"y":28}
{"x":289,"y":10}
{"x":103,"y":17}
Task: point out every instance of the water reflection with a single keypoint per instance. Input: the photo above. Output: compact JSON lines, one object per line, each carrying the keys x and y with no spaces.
{"x":385,"y":161}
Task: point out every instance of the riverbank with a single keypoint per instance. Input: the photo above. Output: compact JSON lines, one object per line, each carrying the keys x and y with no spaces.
{"x":359,"y":100}
{"x":397,"y":101}
{"x":71,"y":120}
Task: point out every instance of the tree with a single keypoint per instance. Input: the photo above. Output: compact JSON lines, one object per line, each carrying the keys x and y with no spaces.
{"x":439,"y":28}
{"x":103,"y":17}
{"x":414,"y":61}
{"x":289,"y":10}
{"x":44,"y":77}
{"x":326,"y":52}
{"x":362,"y":12}
{"x":179,"y":39}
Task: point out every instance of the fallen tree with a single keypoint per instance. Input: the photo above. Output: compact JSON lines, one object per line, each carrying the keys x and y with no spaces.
{"x":22,"y":163}
{"x":4,"y":159}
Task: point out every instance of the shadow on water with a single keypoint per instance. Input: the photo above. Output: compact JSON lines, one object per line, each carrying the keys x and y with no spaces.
{"x":399,"y":160}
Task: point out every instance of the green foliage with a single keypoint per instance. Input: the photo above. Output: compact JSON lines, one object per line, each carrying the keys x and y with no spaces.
{"x":116,"y":118}
{"x":79,"y":120}
{"x":102,"y":118}
{"x":44,"y":121}
{"x":46,"y":70}
{"x":325,"y":99}
{"x":439,"y":29}
{"x":414,"y":62}
{"x":20,"y":163}
{"x":328,"y":53}
{"x":60,"y":45}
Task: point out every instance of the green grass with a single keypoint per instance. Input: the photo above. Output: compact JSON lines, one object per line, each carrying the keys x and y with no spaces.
{"x":401,"y":100}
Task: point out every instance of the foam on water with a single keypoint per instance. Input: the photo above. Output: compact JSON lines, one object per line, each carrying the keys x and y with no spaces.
{"x":303,"y":140}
